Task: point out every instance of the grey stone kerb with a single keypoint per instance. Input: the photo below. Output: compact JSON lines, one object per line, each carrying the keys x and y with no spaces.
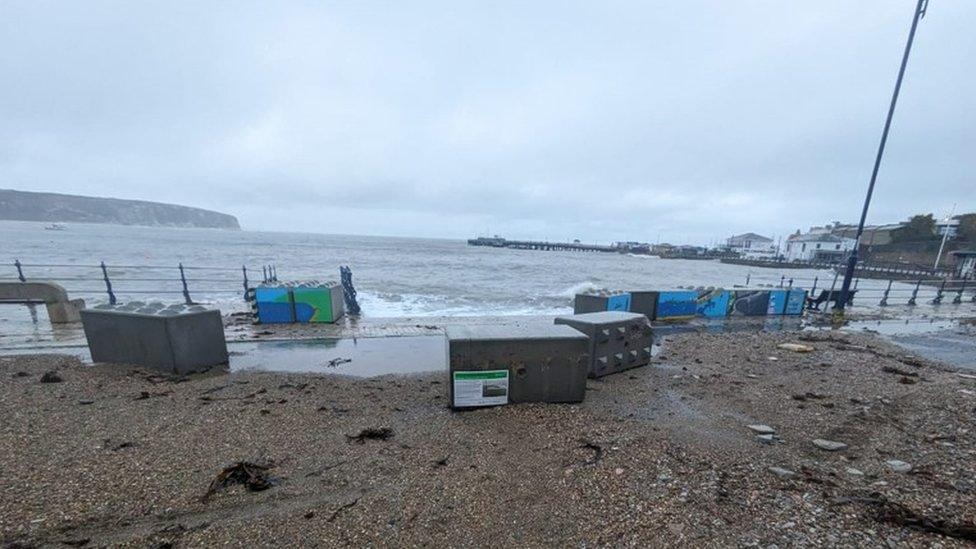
{"x":60,"y":309}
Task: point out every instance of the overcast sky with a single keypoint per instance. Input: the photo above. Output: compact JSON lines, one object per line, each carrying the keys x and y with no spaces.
{"x":680,"y":121}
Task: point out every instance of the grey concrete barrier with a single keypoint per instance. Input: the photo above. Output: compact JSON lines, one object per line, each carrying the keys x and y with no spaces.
{"x":175,"y":339}
{"x":60,"y":309}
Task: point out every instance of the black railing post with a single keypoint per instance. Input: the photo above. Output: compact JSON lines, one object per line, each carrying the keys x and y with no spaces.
{"x":958,"y":298}
{"x":938,"y":296}
{"x":911,"y":300}
{"x":782,"y":279}
{"x":108,"y":285}
{"x":748,"y":276}
{"x":274,"y":273}
{"x":186,"y":291}
{"x":244,"y":270}
{"x":264,"y":273}
{"x":830,"y":295}
{"x":20,"y":271}
{"x":884,"y":298}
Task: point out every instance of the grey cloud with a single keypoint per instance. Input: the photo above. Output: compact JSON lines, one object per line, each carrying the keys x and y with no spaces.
{"x":625,"y":120}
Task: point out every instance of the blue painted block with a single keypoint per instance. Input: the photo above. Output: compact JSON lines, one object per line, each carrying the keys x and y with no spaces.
{"x":713,"y":303}
{"x":618,"y":302}
{"x":274,"y":305}
{"x":677,"y":304}
{"x":777,"y":302}
{"x":597,"y":302}
{"x":796,"y":301}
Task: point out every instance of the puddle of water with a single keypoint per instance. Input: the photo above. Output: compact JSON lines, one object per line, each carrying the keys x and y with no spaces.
{"x":730,"y":325}
{"x":362,"y":357}
{"x":903,"y":326}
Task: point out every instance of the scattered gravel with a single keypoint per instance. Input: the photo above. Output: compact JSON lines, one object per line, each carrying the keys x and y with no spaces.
{"x":654,"y":456}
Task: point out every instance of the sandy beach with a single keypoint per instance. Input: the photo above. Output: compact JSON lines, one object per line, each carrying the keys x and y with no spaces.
{"x":659,"y":455}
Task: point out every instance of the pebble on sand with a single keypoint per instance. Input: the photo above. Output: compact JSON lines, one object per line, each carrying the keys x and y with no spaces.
{"x":781,"y":472}
{"x":795,"y":347}
{"x":899,"y":466}
{"x":829,"y":445}
{"x":760,"y":429}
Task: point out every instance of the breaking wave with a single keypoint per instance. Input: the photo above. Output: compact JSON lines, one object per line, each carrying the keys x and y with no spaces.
{"x":580,"y":288}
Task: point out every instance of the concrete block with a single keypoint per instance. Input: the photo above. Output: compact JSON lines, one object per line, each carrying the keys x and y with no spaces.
{"x":796,"y":301}
{"x":172,"y":340}
{"x":273,"y":305}
{"x":677,"y":304}
{"x":495,"y":365}
{"x":713,"y":303}
{"x":320,"y":303}
{"x":593,"y":302}
{"x":60,"y":309}
{"x":777,"y":301}
{"x":289,"y":302}
{"x":617,"y":341}
{"x":643,"y":302}
{"x":749,"y":302}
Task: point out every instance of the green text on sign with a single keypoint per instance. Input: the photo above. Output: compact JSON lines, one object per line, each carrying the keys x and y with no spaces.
{"x":488,"y":374}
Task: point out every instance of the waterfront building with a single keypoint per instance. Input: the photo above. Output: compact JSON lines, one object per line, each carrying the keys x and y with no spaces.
{"x":817,"y":246}
{"x":752,"y":246}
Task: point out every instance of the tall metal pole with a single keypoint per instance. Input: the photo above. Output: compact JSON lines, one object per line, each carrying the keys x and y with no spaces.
{"x":945,"y":236}
{"x":852,"y":260}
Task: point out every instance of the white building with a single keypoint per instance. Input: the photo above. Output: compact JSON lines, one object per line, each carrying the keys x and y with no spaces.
{"x":948,"y":226}
{"x":752,"y":246}
{"x":817,"y":246}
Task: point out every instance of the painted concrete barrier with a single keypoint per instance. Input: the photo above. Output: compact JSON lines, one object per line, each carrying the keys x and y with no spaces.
{"x":644,"y":302}
{"x":684,"y":304}
{"x":298,"y":302}
{"x":713,"y":303}
{"x":677,"y":304}
{"x":594,"y":302}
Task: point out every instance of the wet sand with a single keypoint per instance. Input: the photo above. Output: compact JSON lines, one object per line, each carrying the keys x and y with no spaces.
{"x":659,"y":455}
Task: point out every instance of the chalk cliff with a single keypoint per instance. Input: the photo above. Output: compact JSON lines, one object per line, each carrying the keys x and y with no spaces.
{"x":52,"y":207}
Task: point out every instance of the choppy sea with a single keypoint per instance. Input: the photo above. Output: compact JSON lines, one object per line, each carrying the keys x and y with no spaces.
{"x":394,"y":276}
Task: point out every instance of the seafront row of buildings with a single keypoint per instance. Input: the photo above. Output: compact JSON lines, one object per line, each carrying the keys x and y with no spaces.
{"x":920,"y":241}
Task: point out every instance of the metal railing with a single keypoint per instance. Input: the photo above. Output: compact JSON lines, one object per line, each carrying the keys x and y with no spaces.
{"x":135,"y":280}
{"x":874,"y":269}
{"x":908,"y":292}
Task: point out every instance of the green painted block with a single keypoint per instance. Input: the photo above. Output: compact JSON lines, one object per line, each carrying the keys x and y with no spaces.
{"x":318,"y":304}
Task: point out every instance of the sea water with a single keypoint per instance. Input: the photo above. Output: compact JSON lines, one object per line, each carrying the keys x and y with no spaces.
{"x":394,"y":276}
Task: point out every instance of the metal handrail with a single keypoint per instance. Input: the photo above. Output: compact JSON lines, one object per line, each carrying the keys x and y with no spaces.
{"x":110,"y":281}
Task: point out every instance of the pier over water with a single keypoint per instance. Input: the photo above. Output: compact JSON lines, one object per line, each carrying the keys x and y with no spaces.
{"x":498,"y":242}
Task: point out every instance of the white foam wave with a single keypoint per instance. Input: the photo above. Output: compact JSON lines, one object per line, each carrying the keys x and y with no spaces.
{"x":580,"y":288}
{"x":400,"y":305}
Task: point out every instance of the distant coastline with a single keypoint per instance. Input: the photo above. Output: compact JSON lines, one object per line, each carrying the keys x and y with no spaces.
{"x":67,"y":208}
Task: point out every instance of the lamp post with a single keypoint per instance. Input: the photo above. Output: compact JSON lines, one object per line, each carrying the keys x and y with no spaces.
{"x":945,"y":236}
{"x":852,"y":260}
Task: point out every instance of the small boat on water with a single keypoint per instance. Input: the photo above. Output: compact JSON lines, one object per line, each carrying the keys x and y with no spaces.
{"x":55,"y":227}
